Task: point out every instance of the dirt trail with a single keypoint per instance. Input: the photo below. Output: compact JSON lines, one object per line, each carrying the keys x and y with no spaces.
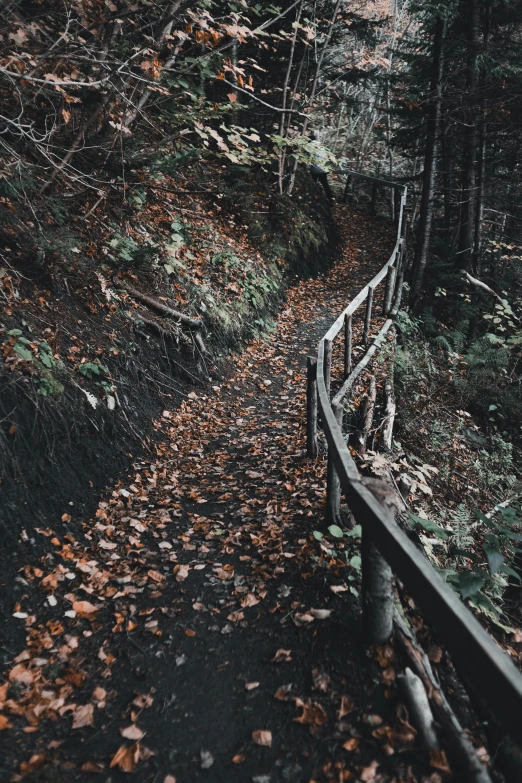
{"x":200,"y":586}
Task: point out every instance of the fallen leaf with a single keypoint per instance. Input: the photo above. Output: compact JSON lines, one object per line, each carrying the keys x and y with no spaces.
{"x":345,"y":708}
{"x":181,"y":572}
{"x":21,"y":674}
{"x":262,"y":737}
{"x":303,"y":619}
{"x":126,"y":757}
{"x":369,"y":773}
{"x":132,"y":732}
{"x":235,"y":617}
{"x":351,"y":744}
{"x":99,"y":694}
{"x":439,"y":761}
{"x":338,"y":588}
{"x":282,"y":656}
{"x":207,"y":759}
{"x":169,"y":779}
{"x":251,"y":686}
{"x":284,"y":693}
{"x":84,"y":608}
{"x":4,"y":723}
{"x":239,"y":758}
{"x":313,"y":714}
{"x":83,"y":716}
{"x":92,"y":766}
{"x":142,"y":701}
{"x":321,"y":614}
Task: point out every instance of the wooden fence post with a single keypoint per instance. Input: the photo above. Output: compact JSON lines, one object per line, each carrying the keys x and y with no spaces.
{"x":368,"y":319}
{"x":333,"y":484}
{"x":327,"y":365}
{"x":377,"y":593}
{"x":390,"y":288}
{"x":347,"y":346}
{"x":311,"y":407}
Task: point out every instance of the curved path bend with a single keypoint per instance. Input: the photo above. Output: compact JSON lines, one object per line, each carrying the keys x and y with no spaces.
{"x":207,"y":615}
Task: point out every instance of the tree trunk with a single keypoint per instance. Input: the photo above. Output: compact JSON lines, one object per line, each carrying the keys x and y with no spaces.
{"x":430,"y":159}
{"x":470,"y":143}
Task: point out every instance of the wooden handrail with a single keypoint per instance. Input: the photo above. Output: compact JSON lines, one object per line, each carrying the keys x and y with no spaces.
{"x":487,"y":669}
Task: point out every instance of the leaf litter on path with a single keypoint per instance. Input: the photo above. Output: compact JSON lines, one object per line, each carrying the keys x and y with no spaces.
{"x":181,"y":592}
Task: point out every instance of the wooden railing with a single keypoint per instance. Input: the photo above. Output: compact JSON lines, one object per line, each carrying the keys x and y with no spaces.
{"x":484,"y":667}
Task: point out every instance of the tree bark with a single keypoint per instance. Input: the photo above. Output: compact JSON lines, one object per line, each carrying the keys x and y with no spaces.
{"x":430,"y":158}
{"x":470,"y":142}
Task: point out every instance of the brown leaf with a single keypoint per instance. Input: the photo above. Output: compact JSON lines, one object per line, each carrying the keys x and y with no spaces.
{"x":351,"y":744}
{"x":83,"y":716}
{"x":239,"y":758}
{"x":132,"y":732}
{"x":92,"y":766}
{"x":369,"y":773}
{"x":126,"y":757}
{"x":20,"y":674}
{"x":284,"y":693}
{"x":235,"y":617}
{"x":313,"y":714}
{"x":282,"y":656}
{"x":4,"y":723}
{"x":99,"y":694}
{"x":84,"y":608}
{"x":142,"y":701}
{"x":439,"y":761}
{"x":345,"y":707}
{"x":251,"y":686}
{"x":262,"y":737}
{"x":232,"y":97}
{"x":303,"y":619}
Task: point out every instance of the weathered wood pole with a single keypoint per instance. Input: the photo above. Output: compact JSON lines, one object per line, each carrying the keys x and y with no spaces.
{"x":348,"y":335}
{"x":333,"y":485}
{"x":377,"y":593}
{"x":327,"y":365}
{"x":368,"y":319}
{"x":419,"y":708}
{"x":390,"y":287}
{"x":369,"y":409}
{"x":311,"y":406}
{"x":373,"y":208}
{"x":389,"y":412}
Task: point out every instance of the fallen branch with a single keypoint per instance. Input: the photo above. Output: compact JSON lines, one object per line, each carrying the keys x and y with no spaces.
{"x":156,"y":304}
{"x":419,"y":708}
{"x":483,"y":286}
{"x":389,"y":411}
{"x":369,"y":407}
{"x":461,"y":748}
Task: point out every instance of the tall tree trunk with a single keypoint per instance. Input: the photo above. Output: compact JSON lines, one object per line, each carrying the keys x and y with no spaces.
{"x":430,"y":158}
{"x":470,"y":142}
{"x":481,"y":163}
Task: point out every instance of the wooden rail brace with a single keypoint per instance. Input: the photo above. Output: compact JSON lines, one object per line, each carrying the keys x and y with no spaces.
{"x":368,"y":318}
{"x":347,"y":345}
{"x":386,"y":549}
{"x":311,"y":407}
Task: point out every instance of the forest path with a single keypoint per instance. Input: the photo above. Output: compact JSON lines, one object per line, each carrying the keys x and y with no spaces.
{"x":201,"y":588}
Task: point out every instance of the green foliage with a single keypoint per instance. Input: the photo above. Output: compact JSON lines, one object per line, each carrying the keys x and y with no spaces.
{"x":92,"y":370}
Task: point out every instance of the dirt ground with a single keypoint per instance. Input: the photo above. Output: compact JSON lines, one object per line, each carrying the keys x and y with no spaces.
{"x":196,"y":629}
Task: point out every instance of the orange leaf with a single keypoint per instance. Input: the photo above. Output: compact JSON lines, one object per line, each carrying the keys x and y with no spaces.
{"x":126,"y":757}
